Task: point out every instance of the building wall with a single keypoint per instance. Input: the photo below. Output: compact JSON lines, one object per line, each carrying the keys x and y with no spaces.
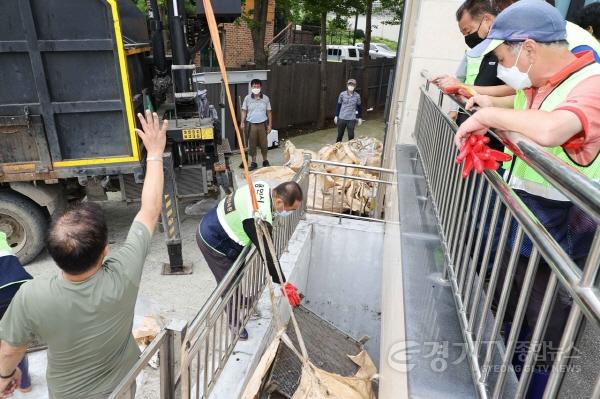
{"x":238,"y":46}
{"x":436,"y":45}
{"x":430,"y":40}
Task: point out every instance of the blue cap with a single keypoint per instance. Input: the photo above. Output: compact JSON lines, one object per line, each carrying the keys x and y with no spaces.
{"x":525,"y":19}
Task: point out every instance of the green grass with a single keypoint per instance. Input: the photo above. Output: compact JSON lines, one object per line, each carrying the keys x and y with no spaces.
{"x":390,"y":43}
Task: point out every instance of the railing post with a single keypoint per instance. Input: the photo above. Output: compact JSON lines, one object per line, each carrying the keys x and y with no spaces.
{"x":170,"y":361}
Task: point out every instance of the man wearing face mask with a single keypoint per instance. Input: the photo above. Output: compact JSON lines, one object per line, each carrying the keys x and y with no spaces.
{"x":258,"y":119}
{"x":561,"y":110}
{"x":562,"y":113}
{"x":562,"y":90}
{"x":348,"y":111}
{"x":475,"y":18}
{"x":225,"y":230}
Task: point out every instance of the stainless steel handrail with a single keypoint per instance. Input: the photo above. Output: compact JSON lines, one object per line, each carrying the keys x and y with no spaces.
{"x":574,"y":185}
{"x":337,"y":205}
{"x":208,"y":345}
{"x":469,"y":213}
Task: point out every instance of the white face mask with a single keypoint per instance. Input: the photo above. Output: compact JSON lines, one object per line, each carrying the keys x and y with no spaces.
{"x":351,"y":88}
{"x":513,"y":76}
{"x":255,"y":91}
{"x":283,"y":214}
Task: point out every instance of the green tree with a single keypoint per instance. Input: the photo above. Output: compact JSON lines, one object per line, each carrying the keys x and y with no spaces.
{"x":393,"y":9}
{"x":366,"y":55}
{"x":258,"y":29}
{"x":190,"y":6}
{"x":320,"y":8}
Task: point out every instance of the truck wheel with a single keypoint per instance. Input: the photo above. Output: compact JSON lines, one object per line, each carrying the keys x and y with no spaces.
{"x":24,"y":223}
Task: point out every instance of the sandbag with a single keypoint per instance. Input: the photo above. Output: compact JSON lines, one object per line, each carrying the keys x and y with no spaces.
{"x":294,"y":157}
{"x":334,"y":193}
{"x":273,"y":174}
{"x":316,"y":383}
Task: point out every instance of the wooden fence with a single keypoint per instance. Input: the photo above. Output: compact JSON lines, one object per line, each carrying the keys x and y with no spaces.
{"x":294,"y":91}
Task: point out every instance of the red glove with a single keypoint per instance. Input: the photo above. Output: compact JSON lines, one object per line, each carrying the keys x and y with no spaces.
{"x":477,"y":155}
{"x":292,"y":294}
{"x":461,"y":90}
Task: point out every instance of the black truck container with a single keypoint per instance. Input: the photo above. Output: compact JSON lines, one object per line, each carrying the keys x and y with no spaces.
{"x":73,"y":74}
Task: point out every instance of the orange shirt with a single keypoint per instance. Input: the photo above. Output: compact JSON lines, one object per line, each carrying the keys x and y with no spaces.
{"x":583,"y":101}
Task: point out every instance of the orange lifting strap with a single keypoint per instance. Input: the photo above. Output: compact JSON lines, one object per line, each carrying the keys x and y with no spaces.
{"x":214,"y":35}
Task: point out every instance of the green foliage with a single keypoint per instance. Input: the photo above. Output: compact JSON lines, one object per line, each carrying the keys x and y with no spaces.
{"x":141,"y":4}
{"x":189,"y":5}
{"x":292,"y":10}
{"x":390,"y":43}
{"x":310,"y":20}
{"x":394,"y":9}
{"x":359,"y":34}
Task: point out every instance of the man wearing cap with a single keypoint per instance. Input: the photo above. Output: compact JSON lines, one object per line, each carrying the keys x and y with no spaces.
{"x":561,"y":111}
{"x":348,"y":111}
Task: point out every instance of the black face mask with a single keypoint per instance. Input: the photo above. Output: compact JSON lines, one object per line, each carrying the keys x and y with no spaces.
{"x":472,"y":39}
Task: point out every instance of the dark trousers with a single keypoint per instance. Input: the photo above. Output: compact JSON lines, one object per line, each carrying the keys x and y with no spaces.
{"x":219,"y":265}
{"x":342,"y":124}
{"x":557,"y":317}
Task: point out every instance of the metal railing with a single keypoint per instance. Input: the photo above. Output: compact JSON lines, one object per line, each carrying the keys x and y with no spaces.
{"x":167,"y":344}
{"x":484,"y":224}
{"x":194,"y":363}
{"x":214,"y":332}
{"x":280,"y":40}
{"x":348,"y":190}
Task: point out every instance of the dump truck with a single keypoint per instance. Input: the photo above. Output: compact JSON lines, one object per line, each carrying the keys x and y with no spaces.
{"x":74,"y":74}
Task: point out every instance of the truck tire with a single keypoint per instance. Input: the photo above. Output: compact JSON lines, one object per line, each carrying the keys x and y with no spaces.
{"x":24,"y":223}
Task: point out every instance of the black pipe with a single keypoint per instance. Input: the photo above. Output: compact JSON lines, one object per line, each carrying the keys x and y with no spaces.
{"x":158,"y":44}
{"x":181,"y":55}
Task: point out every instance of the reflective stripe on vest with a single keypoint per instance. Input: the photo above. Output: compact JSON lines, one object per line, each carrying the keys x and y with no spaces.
{"x":522,"y":176}
{"x":237,"y":207}
{"x":577,"y":36}
{"x":474,"y":64}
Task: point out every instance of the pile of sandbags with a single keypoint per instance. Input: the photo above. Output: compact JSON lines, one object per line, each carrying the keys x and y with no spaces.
{"x":293,"y":157}
{"x":329,"y":189}
{"x":273,"y":174}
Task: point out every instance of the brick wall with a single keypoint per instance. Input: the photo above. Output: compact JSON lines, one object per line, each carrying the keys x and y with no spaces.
{"x":237,"y":46}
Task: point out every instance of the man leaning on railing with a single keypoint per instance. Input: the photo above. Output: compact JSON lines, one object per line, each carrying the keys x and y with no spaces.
{"x":226,"y":229}
{"x":560,"y":111}
{"x":85,"y":313}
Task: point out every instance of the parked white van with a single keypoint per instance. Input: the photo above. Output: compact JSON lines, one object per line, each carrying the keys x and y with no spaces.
{"x":338,"y":53}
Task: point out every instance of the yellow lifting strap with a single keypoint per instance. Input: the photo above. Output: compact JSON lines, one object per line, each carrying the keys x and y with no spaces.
{"x":214,"y":35}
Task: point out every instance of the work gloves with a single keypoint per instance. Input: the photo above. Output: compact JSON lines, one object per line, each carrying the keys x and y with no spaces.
{"x":475,"y":154}
{"x":360,"y":121}
{"x":335,"y":120}
{"x":292,"y":294}
{"x":461,"y":90}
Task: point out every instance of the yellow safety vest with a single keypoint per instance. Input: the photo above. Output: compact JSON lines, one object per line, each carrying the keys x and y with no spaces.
{"x":522,"y":176}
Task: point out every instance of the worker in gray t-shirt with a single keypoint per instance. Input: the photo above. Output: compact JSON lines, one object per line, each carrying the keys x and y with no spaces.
{"x":257,"y":117}
{"x":85,"y":312}
{"x":348,"y":111}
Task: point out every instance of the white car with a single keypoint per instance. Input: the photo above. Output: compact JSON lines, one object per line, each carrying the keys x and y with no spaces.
{"x":339,"y":53}
{"x":378,"y":50}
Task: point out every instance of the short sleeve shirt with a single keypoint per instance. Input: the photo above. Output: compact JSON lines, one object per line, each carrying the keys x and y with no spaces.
{"x":349,"y":103}
{"x":257,"y":108}
{"x":584,"y":102}
{"x":87,"y":325}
